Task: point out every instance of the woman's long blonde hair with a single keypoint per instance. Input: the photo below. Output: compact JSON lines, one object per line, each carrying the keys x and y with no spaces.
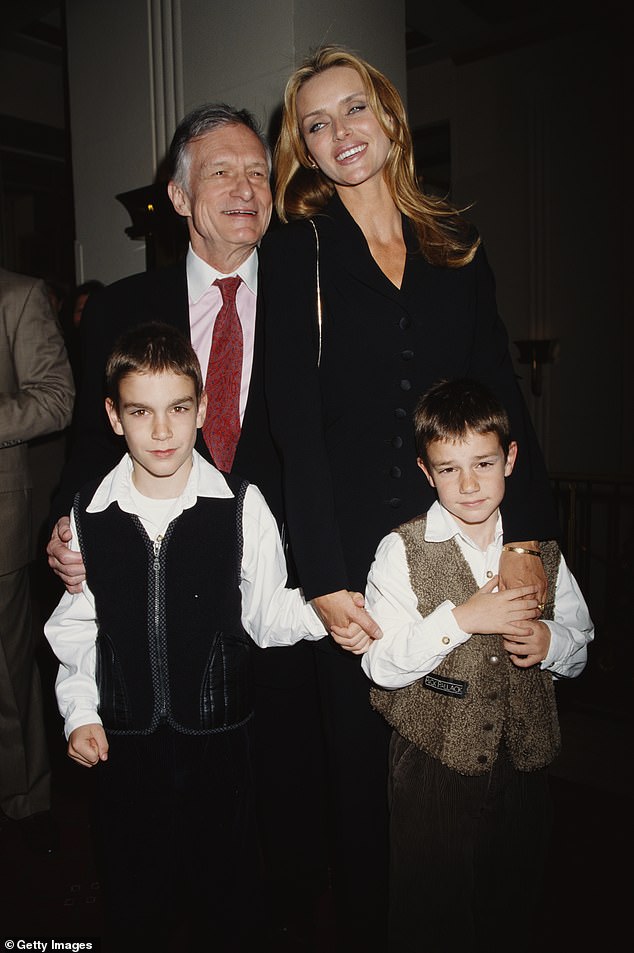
{"x":302,"y":191}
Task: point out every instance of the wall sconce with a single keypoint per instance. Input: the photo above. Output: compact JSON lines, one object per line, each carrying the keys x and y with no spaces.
{"x":154,"y":220}
{"x":537,"y":353}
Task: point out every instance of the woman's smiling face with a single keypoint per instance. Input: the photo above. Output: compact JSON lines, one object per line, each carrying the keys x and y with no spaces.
{"x":341,"y":132}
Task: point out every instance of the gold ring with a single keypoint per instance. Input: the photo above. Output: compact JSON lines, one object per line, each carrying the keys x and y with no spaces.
{"x":541,"y":606}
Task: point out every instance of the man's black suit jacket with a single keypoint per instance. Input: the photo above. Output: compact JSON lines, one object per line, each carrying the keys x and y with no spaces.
{"x":159,"y":295}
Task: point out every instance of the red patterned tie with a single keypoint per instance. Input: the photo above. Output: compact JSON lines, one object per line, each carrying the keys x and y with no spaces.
{"x":221,"y":429}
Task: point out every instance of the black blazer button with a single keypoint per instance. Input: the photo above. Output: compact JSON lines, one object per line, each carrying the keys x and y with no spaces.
{"x":397,"y":442}
{"x":395,"y":472}
{"x":404,"y":323}
{"x":400,"y":412}
{"x":406,"y":385}
{"x":394,"y":502}
{"x":407,"y":355}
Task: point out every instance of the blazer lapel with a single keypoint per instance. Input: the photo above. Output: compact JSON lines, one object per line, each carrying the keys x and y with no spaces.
{"x":345,"y":241}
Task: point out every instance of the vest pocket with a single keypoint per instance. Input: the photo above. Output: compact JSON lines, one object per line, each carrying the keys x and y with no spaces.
{"x":113,"y":701}
{"x":226,"y":688}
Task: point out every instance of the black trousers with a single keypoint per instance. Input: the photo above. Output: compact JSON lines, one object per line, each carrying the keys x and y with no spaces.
{"x":289,"y":781}
{"x":177,"y":841}
{"x":467,"y":854}
{"x":357,"y":741}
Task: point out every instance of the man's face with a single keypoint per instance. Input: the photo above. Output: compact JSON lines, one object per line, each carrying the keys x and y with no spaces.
{"x":227,"y":200}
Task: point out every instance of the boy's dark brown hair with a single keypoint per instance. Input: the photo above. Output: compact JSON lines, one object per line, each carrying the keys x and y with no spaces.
{"x":451,"y":409}
{"x":151,"y":348}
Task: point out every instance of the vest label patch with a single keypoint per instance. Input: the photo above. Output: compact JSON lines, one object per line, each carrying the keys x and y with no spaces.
{"x":446,"y":686}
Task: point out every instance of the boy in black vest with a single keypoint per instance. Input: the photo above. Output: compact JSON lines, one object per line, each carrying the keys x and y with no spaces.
{"x":466,"y":675}
{"x":183,"y":564}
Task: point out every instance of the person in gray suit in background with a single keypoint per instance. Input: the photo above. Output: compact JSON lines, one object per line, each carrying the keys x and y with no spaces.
{"x":36,"y":398}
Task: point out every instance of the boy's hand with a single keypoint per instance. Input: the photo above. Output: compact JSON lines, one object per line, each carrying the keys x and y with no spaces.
{"x":88,"y":745}
{"x":352,"y":638}
{"x":529,"y":650}
{"x":505,"y":612}
{"x":68,"y":565}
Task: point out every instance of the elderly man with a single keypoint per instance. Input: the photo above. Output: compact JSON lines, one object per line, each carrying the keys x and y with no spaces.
{"x":220,"y":185}
{"x":36,"y":398}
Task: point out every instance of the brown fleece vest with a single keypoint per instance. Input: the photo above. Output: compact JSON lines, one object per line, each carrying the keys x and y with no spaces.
{"x":476,"y":698}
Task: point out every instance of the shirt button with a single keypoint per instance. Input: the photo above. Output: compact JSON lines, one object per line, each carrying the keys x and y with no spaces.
{"x":400,"y":412}
{"x":397,"y":442}
{"x":404,"y":323}
{"x":395,"y":472}
{"x":407,"y":355}
{"x":445,"y":640}
{"x":488,"y":726}
{"x":406,"y":385}
{"x":482,"y":759}
{"x":489,"y":574}
{"x":492,"y":697}
{"x":494,"y":660}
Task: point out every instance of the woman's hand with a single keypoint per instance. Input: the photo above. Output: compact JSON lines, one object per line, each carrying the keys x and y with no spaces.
{"x":520,"y":569}
{"x":344,"y":615}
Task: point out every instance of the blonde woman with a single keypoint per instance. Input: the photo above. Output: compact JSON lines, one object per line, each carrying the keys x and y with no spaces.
{"x":407,"y":298}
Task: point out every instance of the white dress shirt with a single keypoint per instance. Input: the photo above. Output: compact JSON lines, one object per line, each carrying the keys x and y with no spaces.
{"x":271,"y":613}
{"x":202,"y":314}
{"x":413,"y":646}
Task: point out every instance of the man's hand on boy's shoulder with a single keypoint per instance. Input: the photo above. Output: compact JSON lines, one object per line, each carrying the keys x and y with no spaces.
{"x":65,"y":562}
{"x":87,"y":745}
{"x":526,"y":651}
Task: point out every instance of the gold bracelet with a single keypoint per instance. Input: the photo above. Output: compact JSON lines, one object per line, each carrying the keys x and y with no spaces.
{"x":522,"y":551}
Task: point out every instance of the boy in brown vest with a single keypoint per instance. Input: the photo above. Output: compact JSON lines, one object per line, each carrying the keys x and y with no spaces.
{"x":466,"y":675}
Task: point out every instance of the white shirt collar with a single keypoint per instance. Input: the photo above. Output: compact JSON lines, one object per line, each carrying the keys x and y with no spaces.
{"x":441,"y":526}
{"x":204,"y":480}
{"x":200,"y":275}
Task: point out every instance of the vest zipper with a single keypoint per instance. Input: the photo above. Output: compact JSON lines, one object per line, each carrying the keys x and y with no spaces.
{"x":157,"y":633}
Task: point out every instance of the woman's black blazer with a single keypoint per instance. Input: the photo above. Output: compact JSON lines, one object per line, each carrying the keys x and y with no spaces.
{"x":344,"y":427}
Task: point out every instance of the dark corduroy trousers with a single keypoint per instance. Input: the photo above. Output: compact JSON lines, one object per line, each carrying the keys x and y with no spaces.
{"x":177,"y":841}
{"x":467,"y":854}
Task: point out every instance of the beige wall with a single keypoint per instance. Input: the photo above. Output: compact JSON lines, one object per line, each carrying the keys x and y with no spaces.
{"x":136,"y":67}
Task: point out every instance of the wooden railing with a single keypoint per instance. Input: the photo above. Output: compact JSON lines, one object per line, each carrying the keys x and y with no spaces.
{"x":597,"y":519}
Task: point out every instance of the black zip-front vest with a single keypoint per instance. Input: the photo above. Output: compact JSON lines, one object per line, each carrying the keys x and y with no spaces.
{"x":170,"y":645}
